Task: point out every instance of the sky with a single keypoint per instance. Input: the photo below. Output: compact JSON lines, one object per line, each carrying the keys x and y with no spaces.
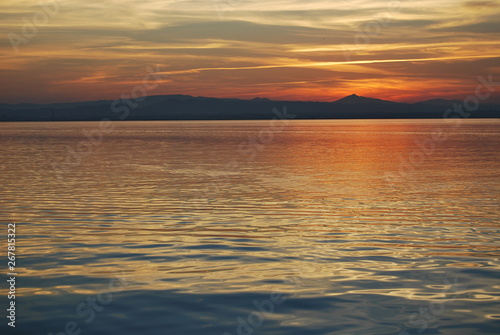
{"x":320,"y":50}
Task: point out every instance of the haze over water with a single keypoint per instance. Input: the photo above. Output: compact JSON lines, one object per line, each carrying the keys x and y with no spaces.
{"x":307,"y":213}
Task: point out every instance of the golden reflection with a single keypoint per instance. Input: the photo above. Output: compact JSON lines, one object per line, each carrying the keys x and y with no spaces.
{"x":311,"y":214}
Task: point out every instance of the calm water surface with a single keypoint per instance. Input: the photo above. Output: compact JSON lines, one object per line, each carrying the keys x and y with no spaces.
{"x":333,"y":227}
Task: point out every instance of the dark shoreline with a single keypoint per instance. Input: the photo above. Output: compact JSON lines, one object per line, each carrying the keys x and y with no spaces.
{"x":170,"y":108}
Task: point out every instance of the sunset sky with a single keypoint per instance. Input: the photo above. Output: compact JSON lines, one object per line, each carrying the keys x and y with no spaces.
{"x":287,"y":50}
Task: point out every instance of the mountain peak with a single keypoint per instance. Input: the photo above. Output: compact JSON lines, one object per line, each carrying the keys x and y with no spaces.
{"x":356,"y":99}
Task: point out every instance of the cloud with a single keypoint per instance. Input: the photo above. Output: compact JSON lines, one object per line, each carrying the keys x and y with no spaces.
{"x":481,"y":4}
{"x":485,"y":27}
{"x":101,"y":46}
{"x":238,"y":31}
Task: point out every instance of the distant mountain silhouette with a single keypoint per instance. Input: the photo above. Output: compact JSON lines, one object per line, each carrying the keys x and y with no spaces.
{"x":185,"y":107}
{"x":440,"y":102}
{"x":356,"y":99}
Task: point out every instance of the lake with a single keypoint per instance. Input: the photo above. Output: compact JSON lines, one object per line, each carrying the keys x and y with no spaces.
{"x":254,"y":227}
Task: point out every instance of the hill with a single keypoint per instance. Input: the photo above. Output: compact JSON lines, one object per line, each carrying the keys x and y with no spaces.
{"x":185,"y":107}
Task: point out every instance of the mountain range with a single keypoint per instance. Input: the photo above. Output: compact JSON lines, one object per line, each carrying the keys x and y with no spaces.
{"x":185,"y":107}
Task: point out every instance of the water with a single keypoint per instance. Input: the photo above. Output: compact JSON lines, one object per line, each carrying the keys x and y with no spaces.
{"x":328,"y":227}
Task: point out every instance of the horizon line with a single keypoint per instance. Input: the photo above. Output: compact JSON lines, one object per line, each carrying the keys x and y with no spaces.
{"x":240,"y":98}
